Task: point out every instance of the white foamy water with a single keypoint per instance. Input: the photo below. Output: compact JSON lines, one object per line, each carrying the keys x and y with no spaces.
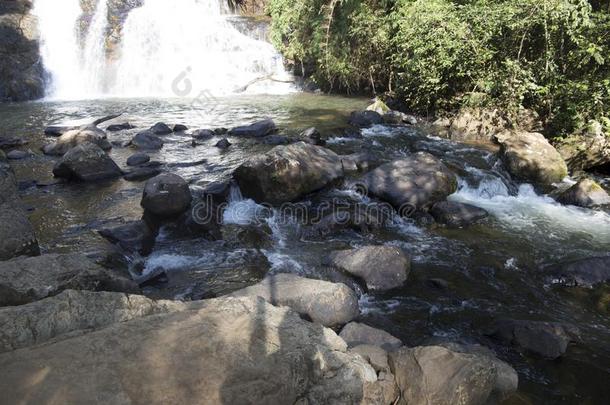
{"x":536,"y":215}
{"x":179,"y":48}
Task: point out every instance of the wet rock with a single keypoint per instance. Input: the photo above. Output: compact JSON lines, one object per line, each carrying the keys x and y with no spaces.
{"x":17,"y":155}
{"x":312,"y":136}
{"x":248,"y":236}
{"x":437,"y":375}
{"x":217,"y":351}
{"x":456,"y":214}
{"x":217,"y":192}
{"x":69,"y":311}
{"x":257,"y":129}
{"x":166,"y":195}
{"x":415,"y":182}
{"x":365,"y":119}
{"x":355,"y":334}
{"x":358,"y":162}
{"x":138,"y":159}
{"x":6,"y":142}
{"x":160,"y":128}
{"x":286,"y":173}
{"x":530,"y":157}
{"x":202,"y":134}
{"x":381,"y":267}
{"x":223,"y":144}
{"x":585,"y":193}
{"x":86,"y":162}
{"x":582,"y":152}
{"x":147,"y":140}
{"x":275,"y":140}
{"x":438,"y":283}
{"x":220,"y":131}
{"x":581,"y":273}
{"x":547,"y":339}
{"x":16,"y":232}
{"x":179,"y":128}
{"x":134,"y":236}
{"x":323,"y":302}
{"x":77,"y":137}
{"x":392,"y":118}
{"x":119,"y":127}
{"x":31,"y":279}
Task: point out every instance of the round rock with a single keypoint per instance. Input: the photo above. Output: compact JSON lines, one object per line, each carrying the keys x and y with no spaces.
{"x":166,"y":195}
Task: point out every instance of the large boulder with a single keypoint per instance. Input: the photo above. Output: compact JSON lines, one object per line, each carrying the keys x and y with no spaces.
{"x":257,"y":129}
{"x":86,"y":162}
{"x":329,"y":304}
{"x":356,"y":334}
{"x":166,"y":195}
{"x":17,"y":236}
{"x":286,"y":173}
{"x":232,"y":351}
{"x":435,"y":375}
{"x":381,"y":267}
{"x":584,"y":152}
{"x":38,"y":322}
{"x":582,"y":272}
{"x":530,"y":157}
{"x":585,"y":193}
{"x":547,"y":339}
{"x":412,"y":183}
{"x":476,"y":125}
{"x":76,"y":137}
{"x":456,"y":214}
{"x":24,"y":280}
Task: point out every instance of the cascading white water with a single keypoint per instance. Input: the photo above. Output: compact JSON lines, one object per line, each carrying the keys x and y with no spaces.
{"x":185,"y":47}
{"x":59,"y":45}
{"x":182,"y":48}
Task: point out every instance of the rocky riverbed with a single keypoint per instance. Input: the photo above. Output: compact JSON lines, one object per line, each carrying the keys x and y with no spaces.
{"x":295,"y":248}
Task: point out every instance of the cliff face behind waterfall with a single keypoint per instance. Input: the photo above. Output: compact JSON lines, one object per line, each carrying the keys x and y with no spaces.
{"x":21,"y":71}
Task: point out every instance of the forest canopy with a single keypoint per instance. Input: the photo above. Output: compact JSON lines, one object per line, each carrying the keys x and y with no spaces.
{"x":550,"y":56}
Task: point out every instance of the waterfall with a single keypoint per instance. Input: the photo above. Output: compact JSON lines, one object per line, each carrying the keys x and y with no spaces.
{"x":180,"y":48}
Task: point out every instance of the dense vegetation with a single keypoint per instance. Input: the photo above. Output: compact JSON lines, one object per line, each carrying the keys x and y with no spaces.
{"x":552,"y":56}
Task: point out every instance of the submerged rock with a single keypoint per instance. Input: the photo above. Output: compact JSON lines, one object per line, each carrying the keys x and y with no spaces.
{"x":166,"y":195}
{"x":223,"y":144}
{"x":437,"y":375}
{"x":327,"y":303}
{"x":119,"y":127}
{"x":547,"y":339}
{"x":30,"y":279}
{"x":585,"y":193}
{"x":77,"y":137}
{"x":456,"y":214}
{"x":275,"y":140}
{"x":530,"y":157}
{"x":257,"y":129}
{"x":358,"y":162}
{"x":581,"y":273}
{"x":138,"y":159}
{"x":355,"y":334}
{"x":381,"y":267}
{"x":142,"y":173}
{"x":69,"y":311}
{"x":86,"y":162}
{"x":365,"y":119}
{"x":202,"y":134}
{"x":17,"y":155}
{"x":147,"y":140}
{"x":286,"y":173}
{"x":232,"y":351}
{"x":415,"y":182}
{"x":179,"y":128}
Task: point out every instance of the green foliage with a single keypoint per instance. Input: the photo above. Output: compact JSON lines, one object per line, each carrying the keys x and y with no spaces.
{"x":437,"y":55}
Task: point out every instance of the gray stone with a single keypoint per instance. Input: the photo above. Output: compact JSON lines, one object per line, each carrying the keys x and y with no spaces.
{"x":119,"y":127}
{"x":142,"y":173}
{"x":356,"y":334}
{"x":138,"y":159}
{"x":30,"y":279}
{"x":134,"y":236}
{"x":257,"y":129}
{"x":147,"y":140}
{"x":381,"y":267}
{"x":17,"y":155}
{"x":456,"y":214}
{"x":166,"y":195}
{"x":160,"y":128}
{"x":286,"y":173}
{"x":585,"y":193}
{"x":77,"y":137}
{"x":202,"y":134}
{"x":86,"y":162}
{"x":223,"y":144}
{"x":581,"y":273}
{"x":329,"y":304}
{"x":365,"y":119}
{"x":415,"y":182}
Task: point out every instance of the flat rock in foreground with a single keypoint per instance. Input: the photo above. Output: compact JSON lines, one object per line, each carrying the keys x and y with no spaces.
{"x":329,"y":304}
{"x":286,"y":173}
{"x":24,"y":280}
{"x":231,"y":351}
